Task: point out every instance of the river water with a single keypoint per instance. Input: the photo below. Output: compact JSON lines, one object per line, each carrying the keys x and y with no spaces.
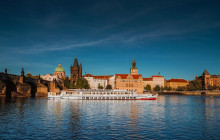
{"x":179,"y":117}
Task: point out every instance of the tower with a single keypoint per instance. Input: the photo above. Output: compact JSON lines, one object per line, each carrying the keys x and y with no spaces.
{"x":76,"y":71}
{"x":59,"y":72}
{"x":80,"y":70}
{"x":134,"y":70}
{"x":206,"y":79}
{"x":21,"y":78}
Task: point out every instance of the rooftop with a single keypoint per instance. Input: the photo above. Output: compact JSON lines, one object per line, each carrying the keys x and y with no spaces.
{"x":59,"y":69}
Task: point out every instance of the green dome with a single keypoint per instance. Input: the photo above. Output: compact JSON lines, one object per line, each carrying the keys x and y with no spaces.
{"x":59,"y":69}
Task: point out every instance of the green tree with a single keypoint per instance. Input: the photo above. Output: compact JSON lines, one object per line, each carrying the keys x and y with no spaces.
{"x":147,"y":87}
{"x":100,"y":87}
{"x":82,"y":83}
{"x":79,"y":83}
{"x":108,"y":87}
{"x":167,"y":88}
{"x":72,"y":86}
{"x":157,"y":88}
{"x":67,"y":82}
{"x":194,"y":85}
{"x":85,"y":84}
{"x":181,"y":88}
{"x":161,"y":88}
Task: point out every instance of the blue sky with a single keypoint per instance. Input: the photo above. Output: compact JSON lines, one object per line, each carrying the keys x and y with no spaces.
{"x":179,"y":39}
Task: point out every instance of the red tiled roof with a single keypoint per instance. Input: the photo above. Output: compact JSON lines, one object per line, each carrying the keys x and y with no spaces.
{"x":88,"y":75}
{"x":157,"y":76}
{"x":147,"y":79}
{"x":97,"y":77}
{"x":136,"y":76}
{"x":177,"y":80}
{"x":101,"y":77}
{"x":124,"y":76}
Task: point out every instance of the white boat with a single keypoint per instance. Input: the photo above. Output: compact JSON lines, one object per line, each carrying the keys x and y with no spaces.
{"x":92,"y":94}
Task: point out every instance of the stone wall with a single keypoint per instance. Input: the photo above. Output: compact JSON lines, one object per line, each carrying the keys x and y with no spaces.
{"x":212,"y":93}
{"x":24,"y":89}
{"x":209,"y":93}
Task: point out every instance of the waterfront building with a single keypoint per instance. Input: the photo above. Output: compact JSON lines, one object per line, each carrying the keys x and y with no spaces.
{"x":50,"y":77}
{"x":96,"y":81}
{"x":148,"y":81}
{"x":130,"y":82}
{"x":75,"y":71}
{"x":112,"y":81}
{"x":154,"y":81}
{"x":59,"y":72}
{"x":175,"y":83}
{"x":207,"y":79}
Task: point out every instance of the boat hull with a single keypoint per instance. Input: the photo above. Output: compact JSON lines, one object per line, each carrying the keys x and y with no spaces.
{"x":147,"y":98}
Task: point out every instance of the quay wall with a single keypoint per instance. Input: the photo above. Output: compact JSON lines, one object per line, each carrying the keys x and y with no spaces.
{"x":208,"y":93}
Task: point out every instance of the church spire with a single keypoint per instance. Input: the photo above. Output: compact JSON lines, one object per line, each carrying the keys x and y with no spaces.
{"x":133,"y":64}
{"x":134,"y":70}
{"x":22,"y":72}
{"x":75,"y":63}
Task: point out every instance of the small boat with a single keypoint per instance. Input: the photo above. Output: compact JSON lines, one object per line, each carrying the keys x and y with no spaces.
{"x":91,"y":94}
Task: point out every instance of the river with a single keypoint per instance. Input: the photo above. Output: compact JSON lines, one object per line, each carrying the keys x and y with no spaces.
{"x":169,"y":117}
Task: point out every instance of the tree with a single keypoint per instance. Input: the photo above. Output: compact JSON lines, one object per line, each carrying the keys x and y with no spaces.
{"x":108,"y":87}
{"x":157,"y":88}
{"x":85,"y":84}
{"x":167,"y":88}
{"x":194,"y":85}
{"x":100,"y":87}
{"x":161,"y":88}
{"x":72,"y":86}
{"x":180,"y":88}
{"x":82,"y":83}
{"x":147,"y":87}
{"x":67,"y":82}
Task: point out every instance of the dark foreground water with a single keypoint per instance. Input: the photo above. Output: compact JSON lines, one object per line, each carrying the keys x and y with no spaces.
{"x":181,"y":117}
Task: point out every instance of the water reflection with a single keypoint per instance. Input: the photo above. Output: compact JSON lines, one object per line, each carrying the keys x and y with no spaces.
{"x":179,"y":117}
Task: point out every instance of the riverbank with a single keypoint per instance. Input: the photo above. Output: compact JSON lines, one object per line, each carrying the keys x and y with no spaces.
{"x":197,"y":93}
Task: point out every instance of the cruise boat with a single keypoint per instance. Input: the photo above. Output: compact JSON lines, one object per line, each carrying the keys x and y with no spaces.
{"x":91,"y":94}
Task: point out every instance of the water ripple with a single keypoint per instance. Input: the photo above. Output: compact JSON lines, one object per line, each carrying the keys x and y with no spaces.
{"x":182,"y":117}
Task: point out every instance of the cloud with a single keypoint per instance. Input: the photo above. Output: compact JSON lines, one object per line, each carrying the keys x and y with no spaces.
{"x":46,"y":48}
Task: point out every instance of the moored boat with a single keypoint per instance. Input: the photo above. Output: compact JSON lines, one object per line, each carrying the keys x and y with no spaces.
{"x":102,"y":95}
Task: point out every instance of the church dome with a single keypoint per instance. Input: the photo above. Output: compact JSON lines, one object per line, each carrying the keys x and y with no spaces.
{"x":59,"y":69}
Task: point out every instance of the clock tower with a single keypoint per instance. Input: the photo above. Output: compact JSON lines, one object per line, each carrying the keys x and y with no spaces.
{"x":134,"y":70}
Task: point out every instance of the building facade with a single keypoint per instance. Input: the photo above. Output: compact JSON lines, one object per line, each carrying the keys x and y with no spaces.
{"x":96,"y":81}
{"x":130,"y":82}
{"x":50,"y":77}
{"x":207,"y":79}
{"x":59,"y":72}
{"x":175,"y":83}
{"x":75,"y":71}
{"x":154,"y":81}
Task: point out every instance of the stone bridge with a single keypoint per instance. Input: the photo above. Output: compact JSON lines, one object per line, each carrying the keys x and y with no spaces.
{"x":15,"y":85}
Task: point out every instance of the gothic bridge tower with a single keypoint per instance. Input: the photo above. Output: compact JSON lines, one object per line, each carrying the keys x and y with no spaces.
{"x":76,"y":71}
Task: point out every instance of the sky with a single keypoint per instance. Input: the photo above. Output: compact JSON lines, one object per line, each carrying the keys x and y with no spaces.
{"x":178,"y":38}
